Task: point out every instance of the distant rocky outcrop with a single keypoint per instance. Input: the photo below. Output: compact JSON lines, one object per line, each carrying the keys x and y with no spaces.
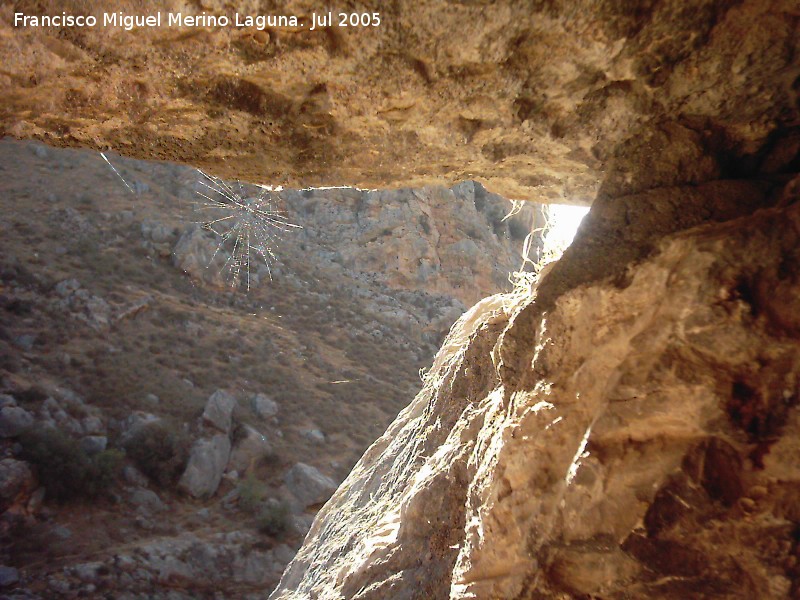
{"x":445,"y":242}
{"x":452,"y":242}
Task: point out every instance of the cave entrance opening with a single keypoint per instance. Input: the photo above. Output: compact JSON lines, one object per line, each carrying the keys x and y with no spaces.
{"x":563,"y":221}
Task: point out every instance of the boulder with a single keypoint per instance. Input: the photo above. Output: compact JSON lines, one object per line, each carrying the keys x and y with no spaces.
{"x":8,"y":576}
{"x":207,"y":461}
{"x":134,"y":476}
{"x":250,"y":447}
{"x":147,"y":500}
{"x":197,"y":254}
{"x":157,"y":232}
{"x":283,"y":554}
{"x":90,"y":572}
{"x":135,"y":422}
{"x":219,"y":409}
{"x":263,"y":406}
{"x":14,"y":420}
{"x":93,"y":425}
{"x":94,"y":444}
{"x":315,"y":436}
{"x":66,"y":287}
{"x":308,"y":485}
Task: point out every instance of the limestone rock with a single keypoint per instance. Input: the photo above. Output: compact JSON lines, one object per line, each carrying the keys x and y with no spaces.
{"x":532,"y":99}
{"x":264,"y":406}
{"x":250,"y":447}
{"x":14,"y":420}
{"x":67,"y":287}
{"x":135,"y":423}
{"x":133,"y":476}
{"x":314,"y":436}
{"x":626,"y":440}
{"x":197,"y":253}
{"x":219,"y":409}
{"x":83,"y":305}
{"x":308,"y":485}
{"x":93,"y":425}
{"x":207,"y":461}
{"x":148,"y":500}
{"x":158,"y":233}
{"x":431,"y":239}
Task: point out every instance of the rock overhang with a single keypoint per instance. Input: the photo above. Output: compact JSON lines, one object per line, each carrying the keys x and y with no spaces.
{"x":538,"y":102}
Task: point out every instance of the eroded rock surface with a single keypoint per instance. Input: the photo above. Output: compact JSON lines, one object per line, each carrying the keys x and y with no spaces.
{"x":643,"y":444}
{"x":625,"y":428}
{"x":531,"y":98}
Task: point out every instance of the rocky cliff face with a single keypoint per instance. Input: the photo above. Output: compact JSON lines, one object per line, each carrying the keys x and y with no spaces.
{"x":445,"y":242}
{"x":531,"y":98}
{"x":633,"y":437}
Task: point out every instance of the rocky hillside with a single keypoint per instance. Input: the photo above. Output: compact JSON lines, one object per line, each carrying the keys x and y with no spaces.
{"x":164,"y":434}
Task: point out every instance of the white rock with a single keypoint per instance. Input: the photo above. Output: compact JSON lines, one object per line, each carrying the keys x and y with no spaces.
{"x":264,"y":406}
{"x":207,"y":462}
{"x":308,"y":484}
{"x":219,"y":409}
{"x":315,"y":436}
{"x":135,"y":422}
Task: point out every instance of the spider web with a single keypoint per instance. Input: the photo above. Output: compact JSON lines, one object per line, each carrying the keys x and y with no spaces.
{"x":247,"y":222}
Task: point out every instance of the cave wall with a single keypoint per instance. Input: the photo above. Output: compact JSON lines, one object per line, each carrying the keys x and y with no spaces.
{"x":633,"y":436}
{"x":624,"y":427}
{"x":538,"y":100}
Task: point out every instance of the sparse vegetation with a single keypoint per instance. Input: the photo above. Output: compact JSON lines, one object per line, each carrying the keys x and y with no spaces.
{"x":65,"y":470}
{"x":273,"y":519}
{"x":160,"y":451}
{"x":252,"y":494}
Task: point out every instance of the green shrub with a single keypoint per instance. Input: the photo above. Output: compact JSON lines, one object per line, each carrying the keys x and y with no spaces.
{"x":65,"y":470}
{"x":252,"y":494}
{"x":273,"y":519}
{"x":159,"y":451}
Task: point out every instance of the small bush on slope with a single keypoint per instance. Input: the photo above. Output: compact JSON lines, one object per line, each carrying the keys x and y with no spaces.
{"x":160,"y":451}
{"x":64,"y":469}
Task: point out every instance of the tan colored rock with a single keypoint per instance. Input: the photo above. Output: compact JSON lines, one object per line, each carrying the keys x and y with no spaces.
{"x":532,"y":99}
{"x":602,"y":433}
{"x":613,"y":460}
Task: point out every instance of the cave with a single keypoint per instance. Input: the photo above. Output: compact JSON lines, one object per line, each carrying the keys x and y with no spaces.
{"x":621,"y":423}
